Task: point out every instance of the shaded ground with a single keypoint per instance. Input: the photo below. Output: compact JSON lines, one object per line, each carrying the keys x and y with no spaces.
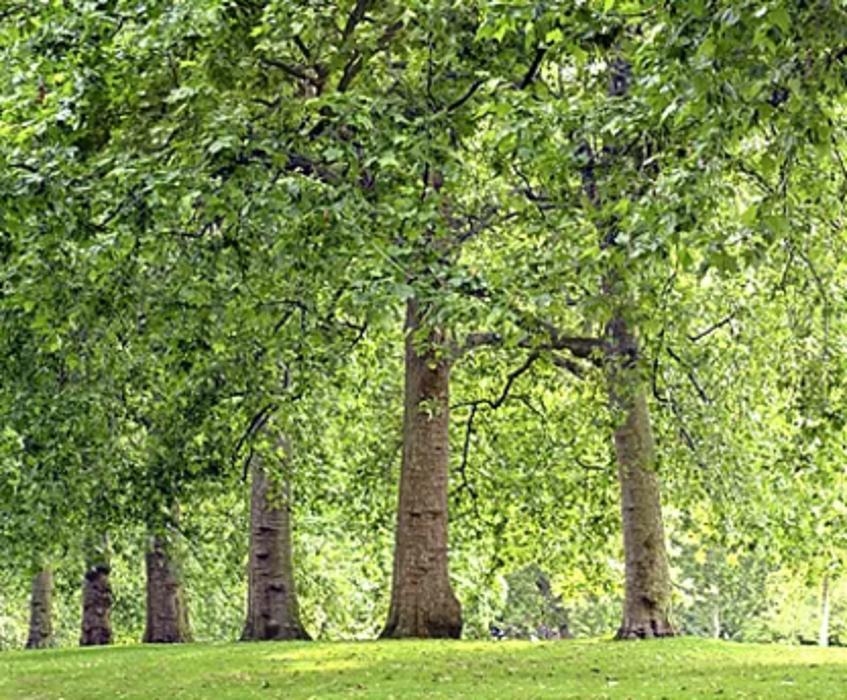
{"x":671,"y":669}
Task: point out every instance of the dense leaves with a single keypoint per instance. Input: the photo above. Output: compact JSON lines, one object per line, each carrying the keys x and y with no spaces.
{"x":212,"y":212}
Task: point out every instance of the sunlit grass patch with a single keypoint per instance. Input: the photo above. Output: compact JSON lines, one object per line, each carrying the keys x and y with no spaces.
{"x":671,"y":669}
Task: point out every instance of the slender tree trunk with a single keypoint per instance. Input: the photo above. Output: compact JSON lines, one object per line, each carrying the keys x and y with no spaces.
{"x":648,"y":582}
{"x":272,"y":610}
{"x":422,"y":600}
{"x":167,"y":614}
{"x":41,"y":611}
{"x":823,"y":636}
{"x":648,"y":585}
{"x":96,"y":597}
{"x":716,"y":622}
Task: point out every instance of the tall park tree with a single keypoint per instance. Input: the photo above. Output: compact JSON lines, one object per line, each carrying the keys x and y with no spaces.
{"x":646,"y":611}
{"x":633,"y":182}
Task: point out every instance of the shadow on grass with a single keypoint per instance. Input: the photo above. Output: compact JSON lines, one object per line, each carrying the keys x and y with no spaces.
{"x":683,"y":668}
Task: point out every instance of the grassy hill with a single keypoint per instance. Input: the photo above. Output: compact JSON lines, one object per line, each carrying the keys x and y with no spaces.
{"x":672,"y":669}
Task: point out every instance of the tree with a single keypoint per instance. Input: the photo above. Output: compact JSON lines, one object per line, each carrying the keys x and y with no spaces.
{"x":422,"y":600}
{"x":96,"y":595}
{"x":167,"y":612}
{"x":41,"y":610}
{"x":191,"y":243}
{"x":272,"y":609}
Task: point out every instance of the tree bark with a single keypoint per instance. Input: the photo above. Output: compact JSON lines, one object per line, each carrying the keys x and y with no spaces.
{"x":97,"y":597}
{"x":823,"y":635}
{"x":272,"y":610}
{"x":41,"y":611}
{"x":422,"y":600}
{"x":648,"y":582}
{"x":167,"y":614}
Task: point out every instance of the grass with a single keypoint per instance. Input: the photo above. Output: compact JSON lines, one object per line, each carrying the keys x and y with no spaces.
{"x":672,"y":669}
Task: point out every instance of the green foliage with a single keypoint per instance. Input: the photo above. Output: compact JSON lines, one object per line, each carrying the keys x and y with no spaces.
{"x":213,"y":211}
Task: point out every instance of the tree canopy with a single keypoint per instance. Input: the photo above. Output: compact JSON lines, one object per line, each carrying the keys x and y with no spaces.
{"x":216,"y":215}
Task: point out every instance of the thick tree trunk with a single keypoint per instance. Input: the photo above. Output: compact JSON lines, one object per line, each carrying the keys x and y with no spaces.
{"x":422,"y":600}
{"x":41,"y":611}
{"x":648,"y":583}
{"x":97,"y":598}
{"x":272,"y":610}
{"x":167,"y":614}
{"x":823,"y":634}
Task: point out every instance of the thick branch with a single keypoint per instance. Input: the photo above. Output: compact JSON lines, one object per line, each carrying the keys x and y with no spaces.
{"x":476,"y":340}
{"x":478,"y":225}
{"x":351,"y":69}
{"x":356,"y":16}
{"x":569,"y":365}
{"x":583,"y":348}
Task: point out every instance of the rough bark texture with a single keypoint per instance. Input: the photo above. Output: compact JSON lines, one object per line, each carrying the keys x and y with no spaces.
{"x":648,"y":582}
{"x":167,"y":614}
{"x":96,"y":604}
{"x":272,"y":610}
{"x":41,"y":611}
{"x":422,"y":600}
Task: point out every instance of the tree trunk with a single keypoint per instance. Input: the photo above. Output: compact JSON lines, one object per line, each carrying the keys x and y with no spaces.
{"x":272,"y":610}
{"x":41,"y":611}
{"x":97,"y":598}
{"x":823,"y":636}
{"x":648,"y":582}
{"x":167,"y":614}
{"x":422,"y":600}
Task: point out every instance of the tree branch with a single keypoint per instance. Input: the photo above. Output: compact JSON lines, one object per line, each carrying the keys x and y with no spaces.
{"x":351,"y":69}
{"x":533,"y":68}
{"x":690,"y":374}
{"x":478,"y":339}
{"x":510,"y":380}
{"x":254,"y":426}
{"x":466,"y":446}
{"x":475,"y":85}
{"x":301,"y":164}
{"x":711,"y":329}
{"x":294,"y":71}
{"x":569,"y":365}
{"x":356,"y":16}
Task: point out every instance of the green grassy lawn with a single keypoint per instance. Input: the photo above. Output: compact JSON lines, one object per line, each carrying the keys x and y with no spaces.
{"x":672,"y":669}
